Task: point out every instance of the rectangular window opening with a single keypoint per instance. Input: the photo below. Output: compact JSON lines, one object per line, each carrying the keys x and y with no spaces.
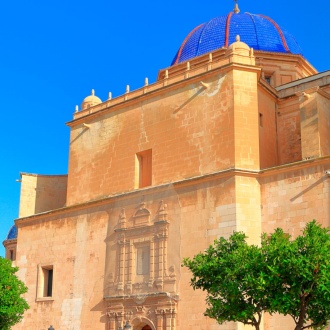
{"x":142,"y":260}
{"x":49,"y":283}
{"x":144,"y":168}
{"x":268,"y":79}
{"x":45,"y":282}
{"x":261,"y":124}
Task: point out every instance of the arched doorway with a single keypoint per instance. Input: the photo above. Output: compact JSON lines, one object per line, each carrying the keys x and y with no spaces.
{"x":142,"y":323}
{"x":146,"y":327}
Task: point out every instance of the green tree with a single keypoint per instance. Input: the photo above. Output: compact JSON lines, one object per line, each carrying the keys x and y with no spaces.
{"x":12,"y":305}
{"x":298,"y":275}
{"x":290,"y":277}
{"x":232,"y":274}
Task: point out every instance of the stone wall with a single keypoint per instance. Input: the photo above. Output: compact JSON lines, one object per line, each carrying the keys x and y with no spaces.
{"x":40,"y":193}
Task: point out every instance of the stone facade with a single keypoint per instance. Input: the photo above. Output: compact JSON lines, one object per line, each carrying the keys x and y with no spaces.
{"x":235,"y":140}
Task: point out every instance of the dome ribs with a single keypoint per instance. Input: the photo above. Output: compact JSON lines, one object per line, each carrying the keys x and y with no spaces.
{"x":255,"y":28}
{"x":184,"y":43}
{"x":258,"y":31}
{"x":227,"y":28}
{"x":202,"y":34}
{"x":285,"y":45}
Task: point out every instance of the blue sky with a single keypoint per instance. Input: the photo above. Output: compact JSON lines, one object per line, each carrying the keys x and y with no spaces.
{"x":54,"y":52}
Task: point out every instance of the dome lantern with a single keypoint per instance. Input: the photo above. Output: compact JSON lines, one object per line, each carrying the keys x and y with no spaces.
{"x":236,"y":9}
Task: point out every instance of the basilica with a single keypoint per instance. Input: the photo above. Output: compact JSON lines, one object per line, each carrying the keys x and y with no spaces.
{"x":233,"y":136}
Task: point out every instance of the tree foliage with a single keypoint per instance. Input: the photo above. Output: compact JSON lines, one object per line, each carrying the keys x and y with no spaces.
{"x":290,"y":277}
{"x":298,"y":275}
{"x":12,"y":305}
{"x":230,"y":271}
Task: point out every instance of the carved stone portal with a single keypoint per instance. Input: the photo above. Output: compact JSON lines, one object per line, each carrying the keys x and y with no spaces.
{"x":142,"y":265}
{"x":142,"y":287}
{"x":158,"y":312}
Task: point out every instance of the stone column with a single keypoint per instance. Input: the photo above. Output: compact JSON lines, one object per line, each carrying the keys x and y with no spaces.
{"x":168,"y":317}
{"x":160,"y":258}
{"x":152,"y":262}
{"x":121,"y":267}
{"x":160,"y":319}
{"x":173,"y":320}
{"x":165,"y":255}
{"x":112,"y":324}
{"x":130,"y":267}
{"x":112,"y":321}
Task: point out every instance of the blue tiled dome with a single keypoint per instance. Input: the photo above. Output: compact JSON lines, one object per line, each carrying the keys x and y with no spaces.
{"x":258,"y":31}
{"x":12,"y":234}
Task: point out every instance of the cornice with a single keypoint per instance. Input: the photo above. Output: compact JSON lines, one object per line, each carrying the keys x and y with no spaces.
{"x":230,"y":172}
{"x":268,"y":88}
{"x":302,"y":164}
{"x":167,"y":84}
{"x":135,"y":296}
{"x":8,"y":242}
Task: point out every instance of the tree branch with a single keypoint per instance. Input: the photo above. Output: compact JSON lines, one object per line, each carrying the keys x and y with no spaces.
{"x":294,"y":319}
{"x":312,"y":325}
{"x":259,"y":317}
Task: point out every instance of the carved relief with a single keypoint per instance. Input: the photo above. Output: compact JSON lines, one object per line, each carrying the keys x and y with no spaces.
{"x":159,"y":312}
{"x":122,"y":219}
{"x":136,"y":288}
{"x":141,"y":216}
{"x":142,"y":252}
{"x":140,"y":309}
{"x":139,"y":299}
{"x":162,"y":214}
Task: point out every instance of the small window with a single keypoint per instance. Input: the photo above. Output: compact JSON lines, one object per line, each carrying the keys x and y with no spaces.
{"x":48,"y":282}
{"x":45,"y":281}
{"x":268,"y":79}
{"x":11,"y":255}
{"x":260,"y":120}
{"x":142,"y":260}
{"x":144,"y":168}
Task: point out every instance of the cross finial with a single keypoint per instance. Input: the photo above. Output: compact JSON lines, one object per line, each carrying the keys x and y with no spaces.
{"x":236,"y":9}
